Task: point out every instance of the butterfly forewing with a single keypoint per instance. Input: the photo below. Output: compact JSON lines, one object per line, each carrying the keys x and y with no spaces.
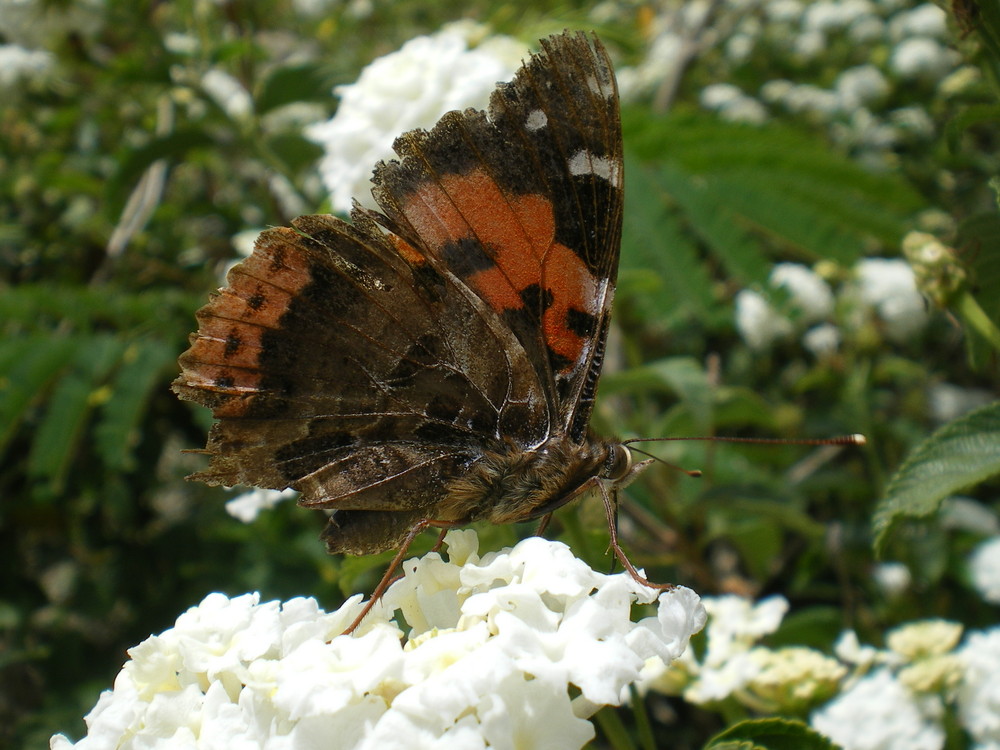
{"x":374,"y":365}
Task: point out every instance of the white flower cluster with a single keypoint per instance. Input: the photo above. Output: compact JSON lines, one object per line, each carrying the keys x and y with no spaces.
{"x":18,"y":65}
{"x":38,"y":24}
{"x":882,"y":290}
{"x":407,"y":89}
{"x":248,"y":505}
{"x":880,"y":48}
{"x":984,"y":569}
{"x":865,"y":699}
{"x":515,"y":649}
{"x":733,"y":665}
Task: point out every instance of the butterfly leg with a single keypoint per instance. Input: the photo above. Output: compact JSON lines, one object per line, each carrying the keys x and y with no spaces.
{"x":543,"y":524}
{"x":389,"y":578}
{"x":609,"y":511}
{"x":440,"y":539}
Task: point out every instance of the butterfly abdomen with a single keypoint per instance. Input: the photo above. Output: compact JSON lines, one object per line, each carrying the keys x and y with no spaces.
{"x":511,"y":484}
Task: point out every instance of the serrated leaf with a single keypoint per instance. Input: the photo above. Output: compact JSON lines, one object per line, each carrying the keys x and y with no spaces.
{"x":959,"y":455}
{"x":27,"y":367}
{"x":652,"y":242}
{"x":713,"y":220}
{"x":117,"y":432}
{"x":770,"y":734}
{"x":55,"y":440}
{"x":736,"y":185}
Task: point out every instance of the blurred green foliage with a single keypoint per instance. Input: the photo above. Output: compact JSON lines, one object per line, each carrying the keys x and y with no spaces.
{"x":123,"y":183}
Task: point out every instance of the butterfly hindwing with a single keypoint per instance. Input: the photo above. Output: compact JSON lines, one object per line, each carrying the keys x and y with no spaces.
{"x":337,"y":368}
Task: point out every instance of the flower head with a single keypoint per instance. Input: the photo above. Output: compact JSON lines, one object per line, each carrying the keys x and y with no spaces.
{"x":889,"y":286}
{"x":979,"y":694}
{"x":794,"y":679}
{"x":409,"y":88}
{"x":879,"y":713}
{"x":492,"y":648}
{"x":984,"y":567}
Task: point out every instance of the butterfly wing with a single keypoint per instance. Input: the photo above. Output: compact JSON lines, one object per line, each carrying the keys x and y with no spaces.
{"x":525,"y":208}
{"x":357,"y":375}
{"x":366,"y":368}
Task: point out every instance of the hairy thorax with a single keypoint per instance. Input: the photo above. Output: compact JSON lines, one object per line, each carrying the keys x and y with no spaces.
{"x":510,"y":484}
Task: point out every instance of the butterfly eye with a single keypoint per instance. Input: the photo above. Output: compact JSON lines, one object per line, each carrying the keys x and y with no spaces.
{"x":618,"y":463}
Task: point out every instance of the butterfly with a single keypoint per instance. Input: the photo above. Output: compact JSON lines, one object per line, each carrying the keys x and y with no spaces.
{"x":435,"y":363}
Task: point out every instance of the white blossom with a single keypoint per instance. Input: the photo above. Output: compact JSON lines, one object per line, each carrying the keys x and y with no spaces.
{"x":927,"y":20}
{"x":916,"y":640}
{"x":861,"y":86}
{"x":18,"y":65}
{"x":822,"y":340}
{"x":784,"y":11}
{"x":920,"y":57}
{"x":889,"y":286}
{"x":866,"y":30}
{"x":979,"y":691}
{"x":407,"y":89}
{"x":758,"y":323}
{"x":893,"y":578}
{"x":849,"y":650}
{"x":913,"y":120}
{"x":984,"y":569}
{"x":833,"y":15}
{"x":314,"y":8}
{"x":811,"y":295}
{"x":248,"y":505}
{"x":34,"y":24}
{"x":735,"y":625}
{"x":879,"y":713}
{"x":796,"y":677}
{"x":732,"y":104}
{"x":181,"y":44}
{"x":496,"y":649}
{"x":226,"y":91}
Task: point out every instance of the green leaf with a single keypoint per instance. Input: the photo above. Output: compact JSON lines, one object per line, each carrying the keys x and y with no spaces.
{"x":174,"y":147}
{"x":54,"y":443}
{"x":746,"y":192}
{"x":979,"y":244}
{"x":770,"y":734}
{"x":27,"y":366}
{"x":716,"y":224}
{"x":124,"y":402}
{"x":688,"y":379}
{"x":654,"y":243}
{"x":979,"y":114}
{"x":961,"y":454}
{"x":294,"y":151}
{"x":298,"y":83}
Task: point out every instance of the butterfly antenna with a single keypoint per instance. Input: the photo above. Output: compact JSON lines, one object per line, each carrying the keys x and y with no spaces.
{"x":856,"y":439}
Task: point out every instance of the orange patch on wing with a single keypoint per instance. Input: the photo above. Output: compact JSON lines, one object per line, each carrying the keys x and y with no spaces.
{"x":573,"y":286}
{"x":224,"y":355}
{"x":519,"y":233}
{"x":406,"y":251}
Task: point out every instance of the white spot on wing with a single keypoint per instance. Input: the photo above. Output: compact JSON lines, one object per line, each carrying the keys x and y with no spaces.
{"x":583,"y":162}
{"x":537,"y":120}
{"x":599,"y":88}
